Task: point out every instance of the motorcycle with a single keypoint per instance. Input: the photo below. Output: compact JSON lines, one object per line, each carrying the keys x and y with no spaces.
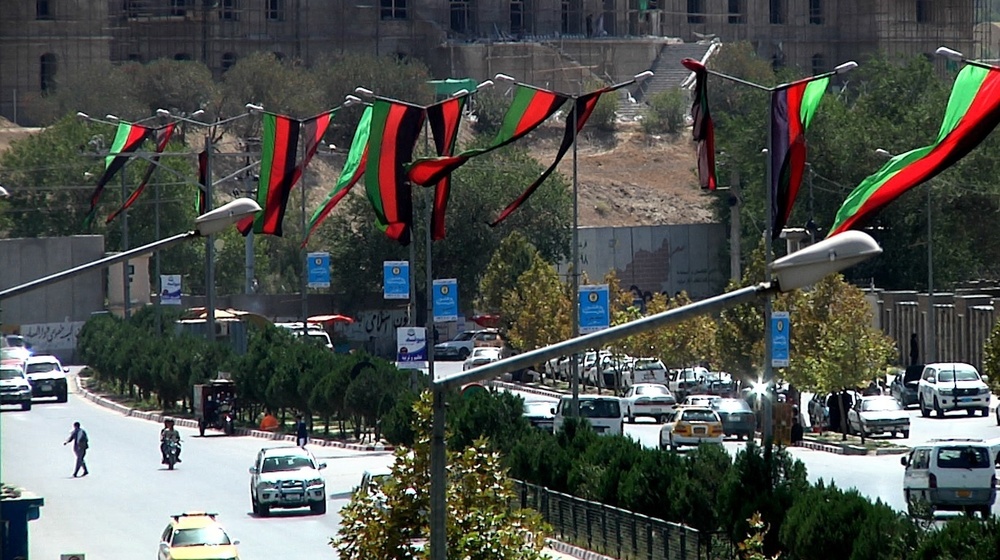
{"x":171,"y":450}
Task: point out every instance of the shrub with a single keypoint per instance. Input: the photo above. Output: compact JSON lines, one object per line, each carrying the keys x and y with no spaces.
{"x":962,"y":539}
{"x":666,"y":113}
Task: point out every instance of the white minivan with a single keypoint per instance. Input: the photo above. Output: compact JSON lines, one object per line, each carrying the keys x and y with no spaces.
{"x":605,"y":413}
{"x":951,"y":474}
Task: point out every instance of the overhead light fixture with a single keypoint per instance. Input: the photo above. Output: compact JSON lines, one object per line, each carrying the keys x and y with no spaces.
{"x":950,"y":54}
{"x":845,"y":67}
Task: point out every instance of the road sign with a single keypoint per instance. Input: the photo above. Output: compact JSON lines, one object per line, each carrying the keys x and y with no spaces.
{"x":446,"y":300}
{"x":780,"y":338}
{"x":396,"y":280}
{"x":319,"y":270}
{"x":595,"y":314}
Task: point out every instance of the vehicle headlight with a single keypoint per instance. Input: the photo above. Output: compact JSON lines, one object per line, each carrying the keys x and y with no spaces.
{"x":984,"y":390}
{"x":267,"y":485}
{"x":314,"y":482}
{"x":947,"y":391}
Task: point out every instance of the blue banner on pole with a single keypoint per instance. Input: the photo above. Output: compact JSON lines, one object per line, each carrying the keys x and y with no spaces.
{"x":595,"y":313}
{"x":319,"y":270}
{"x":446,"y":300}
{"x":396,"y":280}
{"x":780,"y":337}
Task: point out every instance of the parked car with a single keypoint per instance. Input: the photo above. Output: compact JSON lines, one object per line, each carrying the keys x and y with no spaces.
{"x":878,"y":415}
{"x":950,"y":474}
{"x":313,"y":333}
{"x":648,"y":370}
{"x":605,"y":414}
{"x":539,"y":414}
{"x":709,"y":401}
{"x":47,"y":377}
{"x":461,"y":347}
{"x":691,"y":425}
{"x":819,"y":414}
{"x":14,"y":386}
{"x":196,"y":535}
{"x":16,"y":347}
{"x":684,"y":381}
{"x":738,"y":419}
{"x":481,"y":356}
{"x":287,"y":477}
{"x":717,"y":383}
{"x":652,"y":400}
{"x":952,"y":386}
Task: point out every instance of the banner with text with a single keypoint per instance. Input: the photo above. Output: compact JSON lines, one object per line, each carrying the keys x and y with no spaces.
{"x":446,"y":300}
{"x":595,"y":314}
{"x":780,"y":335}
{"x":396,"y":280}
{"x":411,"y":344}
{"x":170,"y":289}
{"x":319,"y":270}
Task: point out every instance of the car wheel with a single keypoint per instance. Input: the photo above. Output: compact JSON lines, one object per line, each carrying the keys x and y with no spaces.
{"x":998,"y":415}
{"x":972,"y":412}
{"x":906,"y":434}
{"x":254,"y":505}
{"x":201,"y":428}
{"x":663,"y":418}
{"x":673,"y":446}
{"x":894,"y":433}
{"x":937,"y":408}
{"x":924,"y":411}
{"x":26,"y":405}
{"x":986,"y":412}
{"x":264,"y":510}
{"x":985,"y":512}
{"x":318,"y":508}
{"x":62,"y":397}
{"x":463,"y":354}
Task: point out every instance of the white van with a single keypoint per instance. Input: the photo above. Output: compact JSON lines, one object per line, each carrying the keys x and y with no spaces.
{"x":314,"y":333}
{"x":605,"y":413}
{"x":951,"y":474}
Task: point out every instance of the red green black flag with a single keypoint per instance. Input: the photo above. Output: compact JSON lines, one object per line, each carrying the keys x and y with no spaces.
{"x":162,"y":137}
{"x":793,"y":109}
{"x":444,"y":118}
{"x":395,"y":128}
{"x":202,"y":204}
{"x":703,"y":129}
{"x":972,"y":113}
{"x":279,"y":146}
{"x":527,"y":111}
{"x":128,"y":138}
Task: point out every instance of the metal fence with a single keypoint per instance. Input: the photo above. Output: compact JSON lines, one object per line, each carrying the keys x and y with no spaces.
{"x":613,"y":531}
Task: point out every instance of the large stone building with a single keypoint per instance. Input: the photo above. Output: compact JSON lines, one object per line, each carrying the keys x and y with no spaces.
{"x":556,"y":42}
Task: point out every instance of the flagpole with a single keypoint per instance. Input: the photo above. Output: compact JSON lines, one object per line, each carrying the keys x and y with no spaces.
{"x":304,"y":258}
{"x":574,"y":364}
{"x":126,"y":288}
{"x":439,"y":458}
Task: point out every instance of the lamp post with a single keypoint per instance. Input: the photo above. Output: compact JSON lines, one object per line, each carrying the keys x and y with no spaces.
{"x":768,"y":375}
{"x":4,"y":193}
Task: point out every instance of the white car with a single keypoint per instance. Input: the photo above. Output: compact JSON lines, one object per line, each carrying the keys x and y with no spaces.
{"x":950,"y":474}
{"x":687,"y":380}
{"x":47,"y":377}
{"x":652,"y":400}
{"x":878,"y":414}
{"x":691,"y":425}
{"x":14,"y":386}
{"x":649,"y":370}
{"x":707,"y":401}
{"x":481,"y":356}
{"x":287,"y":477}
{"x":952,"y":386}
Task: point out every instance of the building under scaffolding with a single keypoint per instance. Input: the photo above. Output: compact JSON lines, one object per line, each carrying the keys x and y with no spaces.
{"x":561,"y":43}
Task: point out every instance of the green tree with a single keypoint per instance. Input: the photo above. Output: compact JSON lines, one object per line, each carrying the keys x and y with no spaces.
{"x":511,"y":259}
{"x":538,"y":306}
{"x":666,"y":113}
{"x":991,"y":359}
{"x":175,"y":85}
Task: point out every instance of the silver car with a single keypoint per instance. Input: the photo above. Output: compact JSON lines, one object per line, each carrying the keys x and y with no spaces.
{"x":878,"y":414}
{"x":287,"y":477}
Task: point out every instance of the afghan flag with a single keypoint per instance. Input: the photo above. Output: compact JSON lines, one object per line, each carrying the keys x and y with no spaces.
{"x":444,"y":118}
{"x":973,"y":112}
{"x":527,"y":111}
{"x":162,"y":137}
{"x":703,"y":129}
{"x":394,"y":130}
{"x":128,"y":138}
{"x":793,"y":109}
{"x":353,"y":171}
{"x":201,"y":205}
{"x":279,"y":147}
{"x":583,"y":108}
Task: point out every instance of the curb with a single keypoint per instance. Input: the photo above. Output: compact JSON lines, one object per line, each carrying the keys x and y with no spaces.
{"x":574,"y":551}
{"x":188,"y":423}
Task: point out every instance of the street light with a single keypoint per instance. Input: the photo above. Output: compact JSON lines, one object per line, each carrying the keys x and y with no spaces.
{"x":4,"y":193}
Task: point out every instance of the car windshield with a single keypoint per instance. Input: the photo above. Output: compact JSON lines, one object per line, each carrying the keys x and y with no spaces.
{"x":887,"y":403}
{"x":697,"y":416}
{"x":10,"y":374}
{"x":967,"y":457}
{"x":600,"y":408}
{"x":290,"y":463}
{"x":951,"y":375}
{"x":201,"y":536}
{"x":42,"y":367}
{"x":733,"y":405}
{"x":651,"y":390}
{"x":484,"y":352}
{"x":648,"y":364}
{"x":463,"y":336}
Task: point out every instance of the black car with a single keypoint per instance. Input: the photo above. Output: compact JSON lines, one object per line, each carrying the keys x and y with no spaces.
{"x":904,"y":386}
{"x":539,"y":414}
{"x":738,"y":418}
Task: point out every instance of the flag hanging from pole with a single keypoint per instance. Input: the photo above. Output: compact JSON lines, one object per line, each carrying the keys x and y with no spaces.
{"x":527,"y":111}
{"x":703,"y":129}
{"x":393,"y":134}
{"x":128,"y":138}
{"x":972,"y":113}
{"x":353,"y":171}
{"x":201,"y":205}
{"x":161,"y":136}
{"x":793,"y":109}
{"x":444,"y":118}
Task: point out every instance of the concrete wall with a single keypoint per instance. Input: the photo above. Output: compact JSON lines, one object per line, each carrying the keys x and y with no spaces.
{"x":51,"y":317}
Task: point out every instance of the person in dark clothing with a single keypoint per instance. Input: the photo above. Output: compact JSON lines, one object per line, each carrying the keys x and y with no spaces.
{"x":590,"y":25}
{"x":301,"y":431}
{"x":914,"y":350}
{"x":833,"y":417}
{"x":80,"y":444}
{"x":797,"y":431}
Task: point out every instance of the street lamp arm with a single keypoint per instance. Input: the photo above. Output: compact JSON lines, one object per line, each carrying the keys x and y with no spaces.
{"x":955,"y":56}
{"x":98,"y":264}
{"x":738,"y":80}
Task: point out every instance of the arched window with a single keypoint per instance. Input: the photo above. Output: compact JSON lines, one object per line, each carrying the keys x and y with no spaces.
{"x":816,"y":12}
{"x":818,"y":63}
{"x":47,"y":72}
{"x":42,"y":9}
{"x":228,"y":60}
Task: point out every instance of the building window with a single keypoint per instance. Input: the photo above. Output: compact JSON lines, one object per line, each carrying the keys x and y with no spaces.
{"x":393,"y":9}
{"x":183,"y":56}
{"x":275,"y":10}
{"x":818,"y":64}
{"x":695,"y":14}
{"x":47,"y":72}
{"x":778,"y":12}
{"x":816,"y":12}
{"x":461,"y":18}
{"x":228,"y":10}
{"x":923,"y":11}
{"x":134,"y":57}
{"x":517,"y":16}
{"x":178,"y":8}
{"x":737,"y":11}
{"x":42,"y":9}
{"x":228,"y":60}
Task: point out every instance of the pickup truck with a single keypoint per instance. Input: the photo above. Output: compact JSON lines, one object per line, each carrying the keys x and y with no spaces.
{"x":685,"y":381}
{"x":462,"y":345}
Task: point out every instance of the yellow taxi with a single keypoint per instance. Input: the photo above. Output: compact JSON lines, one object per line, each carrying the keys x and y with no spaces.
{"x":196,"y":535}
{"x":691,"y":425}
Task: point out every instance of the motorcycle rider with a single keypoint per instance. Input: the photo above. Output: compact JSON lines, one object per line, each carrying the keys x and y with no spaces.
{"x":168,"y":433}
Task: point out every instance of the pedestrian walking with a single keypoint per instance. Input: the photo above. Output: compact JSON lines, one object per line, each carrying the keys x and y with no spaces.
{"x":301,"y":431}
{"x":80,"y":444}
